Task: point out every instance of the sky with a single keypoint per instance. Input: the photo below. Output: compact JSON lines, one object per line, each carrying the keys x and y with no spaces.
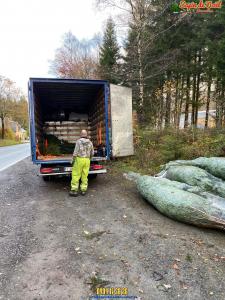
{"x":31,"y":31}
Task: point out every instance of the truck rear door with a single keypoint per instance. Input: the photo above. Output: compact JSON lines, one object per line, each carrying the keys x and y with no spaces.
{"x":121,"y":118}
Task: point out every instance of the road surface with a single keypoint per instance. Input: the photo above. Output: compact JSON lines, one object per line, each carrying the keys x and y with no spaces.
{"x":10,"y":155}
{"x":54,"y":247}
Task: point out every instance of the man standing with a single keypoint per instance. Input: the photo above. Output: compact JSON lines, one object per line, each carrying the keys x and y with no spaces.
{"x":83,"y":152}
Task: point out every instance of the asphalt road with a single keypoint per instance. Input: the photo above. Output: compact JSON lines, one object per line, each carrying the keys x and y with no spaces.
{"x":12,"y":154}
{"x":55,"y":247}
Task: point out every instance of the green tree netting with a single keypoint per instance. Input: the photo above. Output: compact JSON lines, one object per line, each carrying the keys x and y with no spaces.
{"x":182,"y":202}
{"x":214,"y":165}
{"x":196,"y":177}
{"x":192,"y":189}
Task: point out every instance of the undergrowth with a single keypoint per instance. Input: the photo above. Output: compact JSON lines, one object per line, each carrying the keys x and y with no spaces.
{"x":155,"y":148}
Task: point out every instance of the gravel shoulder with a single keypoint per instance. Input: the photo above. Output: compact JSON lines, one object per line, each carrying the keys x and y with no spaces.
{"x":56,"y":247}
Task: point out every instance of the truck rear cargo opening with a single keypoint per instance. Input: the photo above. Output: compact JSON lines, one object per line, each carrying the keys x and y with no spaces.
{"x":60,"y":108}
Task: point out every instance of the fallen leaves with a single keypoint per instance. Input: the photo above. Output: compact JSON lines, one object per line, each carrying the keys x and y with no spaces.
{"x":78,"y":250}
{"x":198,"y":242}
{"x":167,"y":286}
{"x":183,"y":285}
{"x":177,"y":259}
{"x":218,"y":258}
{"x":164,"y":287}
{"x":176,"y":268}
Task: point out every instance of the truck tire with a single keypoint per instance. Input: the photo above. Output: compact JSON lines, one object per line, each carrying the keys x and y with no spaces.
{"x":92,"y":176}
{"x":46,"y":178}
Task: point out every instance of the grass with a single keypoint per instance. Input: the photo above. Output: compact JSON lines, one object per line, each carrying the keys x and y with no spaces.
{"x":97,"y":282}
{"x":7,"y":142}
{"x":90,"y":236}
{"x":189,"y":258}
{"x":155,"y":148}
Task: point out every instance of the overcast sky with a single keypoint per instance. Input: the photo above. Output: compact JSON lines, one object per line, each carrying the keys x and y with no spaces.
{"x":31,"y":30}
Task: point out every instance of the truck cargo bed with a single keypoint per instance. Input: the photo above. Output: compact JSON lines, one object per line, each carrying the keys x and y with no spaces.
{"x":60,"y":109}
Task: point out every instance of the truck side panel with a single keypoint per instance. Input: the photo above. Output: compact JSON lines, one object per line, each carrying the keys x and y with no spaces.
{"x":121,"y":118}
{"x":106,"y":93}
{"x":32,"y":122}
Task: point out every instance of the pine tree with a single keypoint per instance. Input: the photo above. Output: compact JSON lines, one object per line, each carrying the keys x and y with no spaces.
{"x":174,"y":63}
{"x":109,"y":55}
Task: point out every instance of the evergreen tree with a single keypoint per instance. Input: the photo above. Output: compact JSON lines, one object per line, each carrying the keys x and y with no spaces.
{"x":109,"y":55}
{"x":174,"y":62}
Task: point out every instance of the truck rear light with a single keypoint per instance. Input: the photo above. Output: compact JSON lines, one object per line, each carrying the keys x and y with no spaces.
{"x":46,"y":170}
{"x":96,"y":167}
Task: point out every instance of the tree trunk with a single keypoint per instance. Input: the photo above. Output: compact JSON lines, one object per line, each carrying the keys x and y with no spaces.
{"x":181,"y":95}
{"x":187,"y":102}
{"x":218,"y":108}
{"x":168,"y":103}
{"x":3,"y":127}
{"x":218,"y":116}
{"x":198,"y":90}
{"x":141,"y":74}
{"x":194,"y":93}
{"x":161,"y":113}
{"x":208,"y":101}
{"x":222,"y":105}
{"x":176,"y":103}
{"x":193,"y":101}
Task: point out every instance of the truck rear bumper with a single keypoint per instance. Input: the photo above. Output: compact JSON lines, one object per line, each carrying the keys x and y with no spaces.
{"x":68,"y":173}
{"x":65,"y":160}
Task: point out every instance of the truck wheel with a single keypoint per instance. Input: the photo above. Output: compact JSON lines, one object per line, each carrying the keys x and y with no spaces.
{"x":46,"y":178}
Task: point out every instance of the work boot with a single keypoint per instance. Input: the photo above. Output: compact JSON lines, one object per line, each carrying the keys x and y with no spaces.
{"x":73,"y":193}
{"x":83,"y":193}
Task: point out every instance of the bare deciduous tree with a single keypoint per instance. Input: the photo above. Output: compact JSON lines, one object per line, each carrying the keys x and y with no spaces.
{"x":8,"y":92}
{"x":76,"y":59}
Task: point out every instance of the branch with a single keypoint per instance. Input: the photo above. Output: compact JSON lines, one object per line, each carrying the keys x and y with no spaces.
{"x":111,"y":4}
{"x":163,"y":31}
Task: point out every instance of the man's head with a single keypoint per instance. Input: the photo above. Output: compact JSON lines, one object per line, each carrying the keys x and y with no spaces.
{"x":83,"y":133}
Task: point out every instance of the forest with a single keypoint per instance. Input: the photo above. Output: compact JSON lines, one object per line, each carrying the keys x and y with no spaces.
{"x":174,"y":60}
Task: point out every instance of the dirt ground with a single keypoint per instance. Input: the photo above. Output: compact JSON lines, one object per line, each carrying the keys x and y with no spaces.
{"x":56,"y":247}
